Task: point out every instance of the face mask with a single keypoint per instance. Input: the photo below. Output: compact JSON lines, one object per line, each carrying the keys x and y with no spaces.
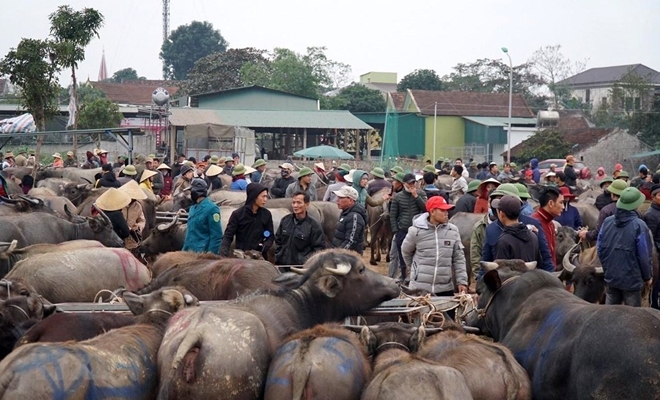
{"x":194,"y":196}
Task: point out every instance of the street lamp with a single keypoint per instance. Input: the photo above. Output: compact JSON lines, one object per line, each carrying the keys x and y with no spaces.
{"x":508,"y":133}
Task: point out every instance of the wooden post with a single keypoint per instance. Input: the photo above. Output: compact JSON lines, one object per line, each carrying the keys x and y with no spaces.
{"x":368,"y":139}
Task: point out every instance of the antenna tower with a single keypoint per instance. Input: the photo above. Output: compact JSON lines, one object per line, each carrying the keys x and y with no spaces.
{"x":166,"y":27}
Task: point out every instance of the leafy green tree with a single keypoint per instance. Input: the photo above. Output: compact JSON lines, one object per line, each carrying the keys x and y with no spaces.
{"x":647,"y":124}
{"x":86,"y":94}
{"x":32,"y":67}
{"x":548,"y":143}
{"x":355,"y":98}
{"x":72,"y":31}
{"x":307,"y":74}
{"x":220,"y":71}
{"x":100,"y":113}
{"x":186,"y":45}
{"x":126,"y":74}
{"x":420,"y":79}
{"x":627,"y":100}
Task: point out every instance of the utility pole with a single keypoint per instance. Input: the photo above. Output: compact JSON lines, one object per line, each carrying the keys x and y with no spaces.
{"x":166,"y":26}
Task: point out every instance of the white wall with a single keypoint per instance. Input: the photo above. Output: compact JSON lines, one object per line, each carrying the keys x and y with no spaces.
{"x":596,"y":95}
{"x":517,"y":136}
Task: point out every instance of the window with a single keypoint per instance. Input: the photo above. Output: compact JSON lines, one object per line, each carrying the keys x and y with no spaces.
{"x":638,"y":103}
{"x":628,"y":103}
{"x":587,"y":95}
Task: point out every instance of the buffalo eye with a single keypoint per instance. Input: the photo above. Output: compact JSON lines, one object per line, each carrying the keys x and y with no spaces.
{"x":362,"y":270}
{"x":24,"y":293}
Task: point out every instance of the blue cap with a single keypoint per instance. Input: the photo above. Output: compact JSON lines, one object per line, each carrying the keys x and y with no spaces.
{"x":643,"y":166}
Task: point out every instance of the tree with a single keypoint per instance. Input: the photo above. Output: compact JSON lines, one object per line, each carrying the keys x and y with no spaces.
{"x":126,"y":74}
{"x":32,"y":66}
{"x":302,"y":74}
{"x":86,"y":94}
{"x":100,"y":113}
{"x":72,"y":31}
{"x":220,"y":71}
{"x":420,"y":79}
{"x":553,"y":67}
{"x":627,"y":100}
{"x":646,"y":124}
{"x":187,"y":44}
{"x":548,"y":143}
{"x":355,"y":98}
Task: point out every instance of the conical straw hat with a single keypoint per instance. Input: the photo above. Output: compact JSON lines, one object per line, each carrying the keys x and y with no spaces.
{"x":112,"y":200}
{"x":133,"y":190}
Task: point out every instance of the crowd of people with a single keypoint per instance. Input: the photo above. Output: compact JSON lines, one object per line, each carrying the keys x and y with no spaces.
{"x":426,"y":249}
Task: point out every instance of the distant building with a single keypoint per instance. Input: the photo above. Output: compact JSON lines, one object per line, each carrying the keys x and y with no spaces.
{"x":384,"y":82}
{"x":593,"y":86}
{"x":135,"y":93}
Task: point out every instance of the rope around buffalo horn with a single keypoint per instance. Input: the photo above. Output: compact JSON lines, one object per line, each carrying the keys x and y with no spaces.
{"x":464,"y":300}
{"x":114,"y":297}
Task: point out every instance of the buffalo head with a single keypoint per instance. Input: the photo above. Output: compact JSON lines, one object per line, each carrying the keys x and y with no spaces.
{"x":182,"y":201}
{"x":586,"y":273}
{"x":164,"y":238}
{"x":102,"y":230}
{"x":565,"y":239}
{"x":393,"y":335}
{"x":167,"y":300}
{"x":19,"y":309}
{"x":76,"y":192}
{"x":513,"y":265}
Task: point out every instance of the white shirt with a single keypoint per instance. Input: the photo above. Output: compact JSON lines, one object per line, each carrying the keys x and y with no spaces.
{"x":459,"y":184}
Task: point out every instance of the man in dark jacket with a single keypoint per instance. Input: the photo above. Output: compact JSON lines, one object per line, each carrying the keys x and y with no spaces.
{"x":569,"y":171}
{"x":615,"y":190}
{"x":108,"y":179}
{"x":467,"y":202}
{"x":278,"y":191}
{"x":379,"y":182}
{"x":604,"y":198}
{"x":570,"y":216}
{"x":252,"y":224}
{"x":624,"y":248}
{"x":652,"y":220}
{"x":404,"y":206}
{"x":349,"y":234}
{"x":299,"y":236}
{"x":517,"y":241}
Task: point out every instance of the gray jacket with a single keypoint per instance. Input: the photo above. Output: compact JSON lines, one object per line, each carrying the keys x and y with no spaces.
{"x":329,"y":196}
{"x":295,"y":187}
{"x":431,"y":251}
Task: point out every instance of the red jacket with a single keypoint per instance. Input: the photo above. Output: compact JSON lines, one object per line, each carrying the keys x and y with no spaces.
{"x":549,"y":229}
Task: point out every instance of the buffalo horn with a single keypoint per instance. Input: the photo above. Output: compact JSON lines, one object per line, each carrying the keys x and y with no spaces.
{"x":489,"y":265}
{"x":299,"y":270}
{"x":566,"y":262}
{"x":358,"y":328}
{"x":68,"y":212}
{"x":32,"y":200}
{"x":8,"y":200}
{"x":10,"y":246}
{"x":85,"y":179}
{"x":166,"y":227}
{"x":105,"y":218}
{"x":340,"y":269}
{"x":530,"y":265}
{"x":599,"y":270}
{"x":81,"y":186}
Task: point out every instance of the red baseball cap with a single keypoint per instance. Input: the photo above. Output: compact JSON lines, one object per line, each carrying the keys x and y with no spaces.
{"x":438,"y":202}
{"x":567,"y":192}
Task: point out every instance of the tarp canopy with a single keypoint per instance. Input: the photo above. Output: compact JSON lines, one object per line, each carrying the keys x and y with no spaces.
{"x":205,"y":131}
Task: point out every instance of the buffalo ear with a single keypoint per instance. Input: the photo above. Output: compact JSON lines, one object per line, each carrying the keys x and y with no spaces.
{"x":134,"y":302}
{"x":417,"y":339}
{"x":329,"y":285}
{"x":368,"y":340}
{"x":492,"y":280}
{"x":289,"y":280}
{"x":49,"y":309}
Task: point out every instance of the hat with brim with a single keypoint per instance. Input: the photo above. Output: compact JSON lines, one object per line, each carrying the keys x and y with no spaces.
{"x":9,"y":155}
{"x":288,"y":166}
{"x":566,"y":192}
{"x":630,"y":199}
{"x":345,"y":167}
{"x":506,"y":189}
{"x":112,"y":200}
{"x":513,"y":165}
{"x":221,"y":160}
{"x":101,"y":151}
{"x":623,"y":174}
{"x":409,"y":178}
{"x":185,"y":169}
{"x":490,"y":180}
{"x":349,"y":177}
{"x":57,"y":155}
{"x":378,"y":172}
{"x":213,"y":170}
{"x":249,"y":170}
{"x":438,"y":202}
{"x":130,"y":170}
{"x":304,"y":171}
{"x":238,"y":170}
{"x":398,"y":177}
{"x":429,"y":168}
{"x":550,"y":174}
{"x":473,"y":185}
{"x":69,"y":153}
{"x":320,"y":166}
{"x":258,"y":163}
{"x":522,"y":191}
{"x":346,"y":191}
{"x":133,"y":190}
{"x":617,"y":187}
{"x":214,"y":159}
{"x":164,"y":166}
{"x":607,"y":179}
{"x":397,"y":169}
{"x":146,"y":174}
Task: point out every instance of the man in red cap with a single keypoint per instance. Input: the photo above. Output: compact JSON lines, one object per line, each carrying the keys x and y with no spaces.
{"x":431,"y":247}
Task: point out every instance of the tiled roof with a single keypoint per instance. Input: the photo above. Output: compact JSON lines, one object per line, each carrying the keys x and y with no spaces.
{"x":609,"y":75}
{"x":134,"y":92}
{"x":572,"y":120}
{"x":582,"y":137}
{"x":398,"y":98}
{"x":476,"y":104}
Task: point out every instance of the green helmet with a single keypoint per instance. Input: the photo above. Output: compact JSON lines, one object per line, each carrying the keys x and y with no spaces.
{"x":506,"y":189}
{"x":473,"y":185}
{"x":617,"y":187}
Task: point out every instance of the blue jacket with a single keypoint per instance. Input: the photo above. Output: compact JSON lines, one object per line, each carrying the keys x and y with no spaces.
{"x":256,"y":177}
{"x":527,"y":210}
{"x":570,"y":217}
{"x":624,"y":248}
{"x":493,"y":232}
{"x":240,"y":184}
{"x":536,"y":174}
{"x":204,"y":231}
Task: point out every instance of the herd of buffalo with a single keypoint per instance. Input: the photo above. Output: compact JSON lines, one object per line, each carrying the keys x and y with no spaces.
{"x":207,"y":327}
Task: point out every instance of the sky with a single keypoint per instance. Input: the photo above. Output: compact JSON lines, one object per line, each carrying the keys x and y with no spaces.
{"x":384,"y":35}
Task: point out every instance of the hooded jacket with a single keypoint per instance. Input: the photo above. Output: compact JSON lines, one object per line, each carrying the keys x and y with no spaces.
{"x":624,"y":248}
{"x":431,"y":251}
{"x":404,"y":207}
{"x":518,"y":242}
{"x":108,"y":180}
{"x":536,"y":173}
{"x":349,"y":233}
{"x":362,"y":192}
{"x":253,"y":231}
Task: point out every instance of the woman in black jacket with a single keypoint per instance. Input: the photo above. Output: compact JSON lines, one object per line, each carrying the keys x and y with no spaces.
{"x":111,"y":203}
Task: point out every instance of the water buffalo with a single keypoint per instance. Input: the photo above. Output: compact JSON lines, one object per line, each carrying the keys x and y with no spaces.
{"x":588,"y":213}
{"x":79,"y":275}
{"x":465,"y":223}
{"x":58,"y":204}
{"x":570,"y":348}
{"x":399,"y":375}
{"x":78,"y":192}
{"x":380,"y":230}
{"x":586,"y":273}
{"x":211,"y":277}
{"x":117,"y":364}
{"x":304,"y":365}
{"x":56,"y":185}
{"x":224,"y":351}
{"x":35,"y":228}
{"x":18,"y":314}
{"x":490,"y":370}
{"x":63,"y":327}
{"x":10,"y":255}
{"x":73,"y":174}
{"x":23,"y":204}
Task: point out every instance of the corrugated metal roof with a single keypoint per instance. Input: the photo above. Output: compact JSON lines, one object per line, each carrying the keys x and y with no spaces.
{"x":501,"y":121}
{"x":320,"y":119}
{"x":193,"y":116}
